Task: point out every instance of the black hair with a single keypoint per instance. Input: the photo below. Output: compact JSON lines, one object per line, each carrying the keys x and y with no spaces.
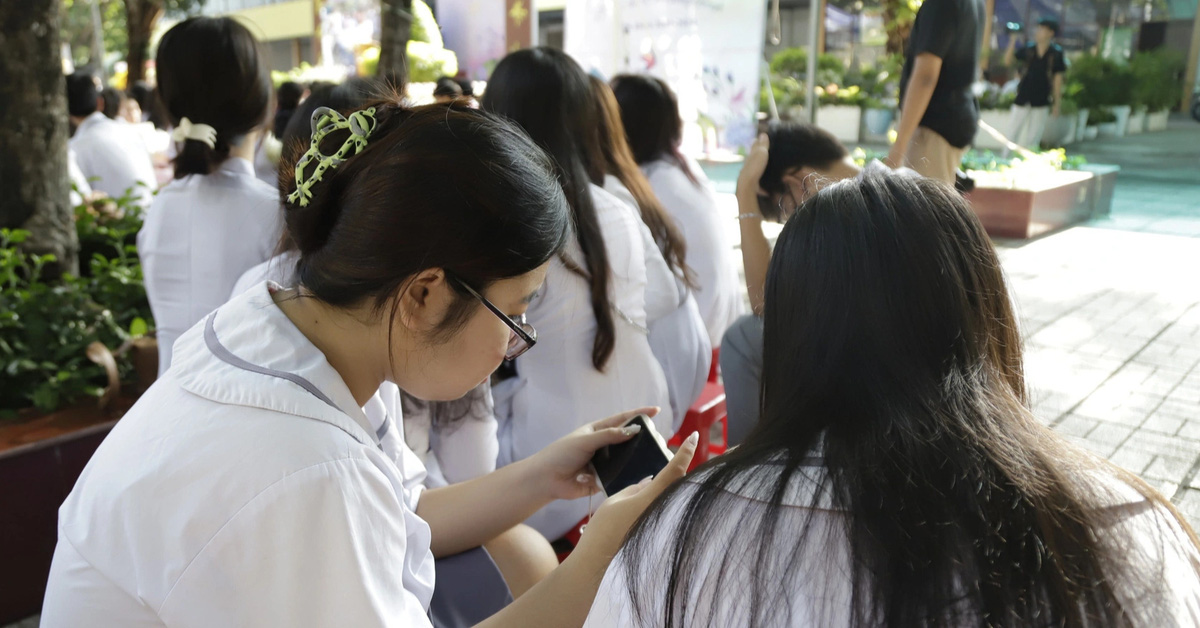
{"x":795,"y":145}
{"x":465,"y":85}
{"x":447,"y":86}
{"x":548,"y":94}
{"x":891,"y":358}
{"x":83,"y":92}
{"x":650,"y":114}
{"x":1050,"y":23}
{"x":112,"y":101}
{"x":383,"y":215}
{"x":211,"y":71}
{"x":287,"y":99}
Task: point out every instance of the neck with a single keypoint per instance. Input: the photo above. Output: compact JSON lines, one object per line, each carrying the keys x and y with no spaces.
{"x":844,"y":169}
{"x":247,"y":147}
{"x":1042,"y":48}
{"x":347,"y":342}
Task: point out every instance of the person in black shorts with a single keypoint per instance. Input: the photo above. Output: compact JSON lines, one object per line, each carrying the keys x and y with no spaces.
{"x":939,"y":114}
{"x":1043,"y":64}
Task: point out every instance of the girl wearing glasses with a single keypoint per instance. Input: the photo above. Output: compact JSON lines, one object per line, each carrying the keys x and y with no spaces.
{"x":248,"y":487}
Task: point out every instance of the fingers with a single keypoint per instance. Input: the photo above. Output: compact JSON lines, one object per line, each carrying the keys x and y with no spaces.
{"x":676,"y":468}
{"x":621,"y":419}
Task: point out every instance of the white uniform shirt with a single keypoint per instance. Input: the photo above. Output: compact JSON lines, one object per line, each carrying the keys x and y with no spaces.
{"x":709,"y":252}
{"x":114,"y":155}
{"x":200,"y":235}
{"x":557,"y":389}
{"x":82,"y":188}
{"x":678,"y":335}
{"x":231,"y":496}
{"x":818,"y":586}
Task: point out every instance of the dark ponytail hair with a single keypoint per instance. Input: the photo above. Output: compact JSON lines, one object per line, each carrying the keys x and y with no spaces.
{"x":547,"y":93}
{"x":892,"y":360}
{"x":402,"y":206}
{"x":210,"y":71}
{"x":650,"y":113}
{"x":619,"y":162}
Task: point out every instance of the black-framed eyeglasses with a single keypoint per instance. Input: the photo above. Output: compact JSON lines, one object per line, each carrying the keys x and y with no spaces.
{"x":523,"y":335}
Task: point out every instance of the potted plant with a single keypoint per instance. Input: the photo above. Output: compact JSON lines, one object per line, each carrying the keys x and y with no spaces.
{"x":880,"y":86}
{"x":1060,"y":130}
{"x":1101,"y":83}
{"x":995,"y":110}
{"x":841,"y":111}
{"x":1102,"y":123}
{"x":1157,"y":84}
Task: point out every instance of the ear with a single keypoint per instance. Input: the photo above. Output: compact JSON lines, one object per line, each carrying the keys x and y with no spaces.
{"x":423,"y":300}
{"x":800,"y":183}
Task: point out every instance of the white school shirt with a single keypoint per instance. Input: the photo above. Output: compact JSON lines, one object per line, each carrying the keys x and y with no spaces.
{"x":817,"y":586}
{"x":82,"y":189}
{"x":114,"y":157}
{"x":201,"y":233}
{"x":710,"y":254}
{"x":452,"y":453}
{"x":245,"y":488}
{"x":556,"y":389}
{"x":678,"y":336}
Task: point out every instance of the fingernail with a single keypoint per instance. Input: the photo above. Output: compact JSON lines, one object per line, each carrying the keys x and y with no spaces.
{"x":692,"y":440}
{"x":631,"y":430}
{"x":583,"y":478}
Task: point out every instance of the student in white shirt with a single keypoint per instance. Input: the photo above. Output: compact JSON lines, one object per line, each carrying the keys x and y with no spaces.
{"x":593,"y":308}
{"x":678,"y":336}
{"x":110,"y":154}
{"x":216,"y":219}
{"x":897,"y":476}
{"x":248,"y":487}
{"x":650,"y":115}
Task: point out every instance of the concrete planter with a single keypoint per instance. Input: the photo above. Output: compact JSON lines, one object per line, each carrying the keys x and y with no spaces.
{"x":1062,"y":199}
{"x":877,"y":121}
{"x":1137,"y":122}
{"x":999,"y":119}
{"x":1081,"y":120}
{"x":1108,"y":129}
{"x":1060,"y":131}
{"x":842,"y":121}
{"x":1157,"y":120}
{"x":1092,"y":132}
{"x":1122,"y":113}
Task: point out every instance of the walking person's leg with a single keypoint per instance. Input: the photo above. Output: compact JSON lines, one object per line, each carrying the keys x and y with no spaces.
{"x":932,"y":156}
{"x":1018,"y":125}
{"x":1038,"y":117}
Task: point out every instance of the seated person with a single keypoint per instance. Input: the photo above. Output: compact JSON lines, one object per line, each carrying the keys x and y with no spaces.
{"x":784,"y":167}
{"x":897,"y":476}
{"x":110,"y":155}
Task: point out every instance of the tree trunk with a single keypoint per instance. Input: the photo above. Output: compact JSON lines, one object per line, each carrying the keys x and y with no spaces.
{"x":140,"y":18}
{"x":33,"y":131}
{"x":395,"y":29}
{"x":898,"y":21}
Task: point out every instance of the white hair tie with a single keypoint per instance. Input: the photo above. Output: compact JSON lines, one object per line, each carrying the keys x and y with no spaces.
{"x":188,"y":130}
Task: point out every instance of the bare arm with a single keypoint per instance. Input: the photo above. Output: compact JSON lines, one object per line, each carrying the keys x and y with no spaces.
{"x":756,"y":251}
{"x":926,"y":70}
{"x":1010,"y":56}
{"x":1058,"y":88}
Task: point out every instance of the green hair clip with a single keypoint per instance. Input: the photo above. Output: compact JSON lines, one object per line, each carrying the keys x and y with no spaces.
{"x":325,"y":121}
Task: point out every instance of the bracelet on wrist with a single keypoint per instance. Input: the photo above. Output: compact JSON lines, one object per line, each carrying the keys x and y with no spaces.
{"x":748,"y":215}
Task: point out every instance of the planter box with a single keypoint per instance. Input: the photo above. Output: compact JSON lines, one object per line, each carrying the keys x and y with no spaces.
{"x":1137,"y":122}
{"x":999,"y":119}
{"x":1122,"y":112}
{"x":1157,"y":120}
{"x":1081,"y":120}
{"x":40,"y":459}
{"x":1064,"y":198}
{"x":842,"y":121}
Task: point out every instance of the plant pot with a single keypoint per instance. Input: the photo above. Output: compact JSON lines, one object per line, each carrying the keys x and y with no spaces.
{"x":840,"y":120}
{"x":1091,"y":133}
{"x":1122,"y":112}
{"x":40,"y":459}
{"x":1107,"y":129}
{"x":1059,"y":131}
{"x":999,"y":119}
{"x":1137,"y":122}
{"x":878,"y":120}
{"x":1157,"y":120}
{"x":1081,"y":126}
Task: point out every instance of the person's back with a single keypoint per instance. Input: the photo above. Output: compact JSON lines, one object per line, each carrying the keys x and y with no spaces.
{"x":216,"y":219}
{"x":896,"y":476}
{"x":110,"y":155}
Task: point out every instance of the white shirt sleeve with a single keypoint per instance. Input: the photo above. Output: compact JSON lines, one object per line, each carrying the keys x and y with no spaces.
{"x":324,"y":546}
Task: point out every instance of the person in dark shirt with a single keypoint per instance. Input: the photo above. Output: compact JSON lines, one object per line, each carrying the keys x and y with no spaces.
{"x":938,"y":113}
{"x":1043,"y":64}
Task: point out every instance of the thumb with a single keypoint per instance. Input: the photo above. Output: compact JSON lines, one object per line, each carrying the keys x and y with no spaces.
{"x":675,"y":469}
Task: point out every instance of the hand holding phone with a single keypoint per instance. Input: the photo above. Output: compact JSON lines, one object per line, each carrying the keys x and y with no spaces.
{"x":625,"y":464}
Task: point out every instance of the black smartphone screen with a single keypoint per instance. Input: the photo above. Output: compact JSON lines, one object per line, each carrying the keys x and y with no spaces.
{"x":632,"y":461}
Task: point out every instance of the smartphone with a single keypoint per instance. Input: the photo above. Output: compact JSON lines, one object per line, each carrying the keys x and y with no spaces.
{"x":632,"y":461}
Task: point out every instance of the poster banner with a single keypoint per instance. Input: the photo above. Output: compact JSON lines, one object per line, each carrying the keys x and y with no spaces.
{"x":709,"y":51}
{"x":475,"y":31}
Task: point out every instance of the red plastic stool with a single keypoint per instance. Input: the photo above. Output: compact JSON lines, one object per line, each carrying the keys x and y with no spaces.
{"x":708,"y":410}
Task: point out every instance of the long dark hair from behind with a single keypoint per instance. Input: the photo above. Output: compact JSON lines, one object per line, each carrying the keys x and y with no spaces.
{"x":547,"y":93}
{"x":211,"y":71}
{"x":619,"y":162}
{"x":650,"y":113}
{"x":892,"y":352}
{"x":384,"y":215}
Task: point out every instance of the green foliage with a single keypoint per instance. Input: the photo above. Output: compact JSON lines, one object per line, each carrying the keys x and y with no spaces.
{"x":793,"y":62}
{"x":428,"y":63}
{"x":1101,"y":115}
{"x":879,"y":84}
{"x":988,"y":161}
{"x":425,"y":27}
{"x":46,"y":326}
{"x":1157,"y":78}
{"x":1101,"y":82}
{"x":76,"y":27}
{"x":994,"y":98}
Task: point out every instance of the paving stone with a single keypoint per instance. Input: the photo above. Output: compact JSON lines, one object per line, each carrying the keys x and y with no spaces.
{"x":1132,"y":459}
{"x":1162,"y":423}
{"x":1074,"y":425}
{"x":1170,"y":468}
{"x":1187,"y":501}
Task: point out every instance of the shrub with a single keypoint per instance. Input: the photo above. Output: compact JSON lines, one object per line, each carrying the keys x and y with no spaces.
{"x":1157,"y":81}
{"x":1102,"y":82}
